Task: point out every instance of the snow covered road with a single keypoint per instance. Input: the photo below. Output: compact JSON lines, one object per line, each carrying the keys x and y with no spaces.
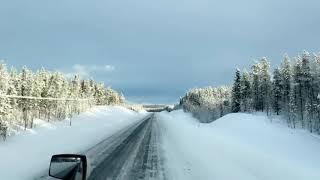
{"x":129,"y":154}
{"x":133,"y":154}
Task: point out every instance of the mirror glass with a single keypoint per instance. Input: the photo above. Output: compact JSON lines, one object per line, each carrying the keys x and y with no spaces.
{"x":70,"y":168}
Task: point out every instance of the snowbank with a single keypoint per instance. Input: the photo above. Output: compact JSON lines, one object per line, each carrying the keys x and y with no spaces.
{"x":237,"y":146}
{"x":26,"y":155}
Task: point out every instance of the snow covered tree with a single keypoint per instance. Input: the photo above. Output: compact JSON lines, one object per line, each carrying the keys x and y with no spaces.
{"x":298,"y":88}
{"x":293,"y":91}
{"x":277,"y":87}
{"x":4,"y":84}
{"x":265,"y":85}
{"x":306,"y":82}
{"x":302,"y":84}
{"x":316,"y":91}
{"x":245,"y":91}
{"x":75,"y":93}
{"x":112,"y":97}
{"x":222,"y":100}
{"x":37,"y":87}
{"x":286,"y":83}
{"x":261,"y":85}
{"x":99,"y":95}
{"x":236,"y":93}
{"x":25,"y":96}
{"x":207,"y":104}
{"x":25,"y":90}
{"x":5,"y":108}
{"x":14,"y":86}
{"x":256,"y":87}
{"x":293,"y":115}
{"x":308,"y":115}
{"x":317,"y":120}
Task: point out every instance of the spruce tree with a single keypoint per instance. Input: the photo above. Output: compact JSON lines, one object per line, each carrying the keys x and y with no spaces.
{"x":5,"y":107}
{"x":245,"y":91}
{"x":256,"y":87}
{"x":316,"y":87}
{"x":265,"y":85}
{"x":298,"y":88}
{"x":26,"y":78}
{"x":293,"y":115}
{"x":277,"y":87}
{"x":286,"y":81}
{"x":307,"y":90}
{"x":236,"y":92}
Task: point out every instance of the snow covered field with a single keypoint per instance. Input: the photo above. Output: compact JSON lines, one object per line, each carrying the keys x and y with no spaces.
{"x":238,"y":146}
{"x":26,"y":155}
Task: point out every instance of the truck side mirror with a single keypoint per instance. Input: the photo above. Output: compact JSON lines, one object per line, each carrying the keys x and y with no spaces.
{"x":68,"y":167}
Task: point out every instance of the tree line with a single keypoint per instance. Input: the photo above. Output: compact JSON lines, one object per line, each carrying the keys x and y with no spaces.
{"x":26,"y":95}
{"x":292,"y":90}
{"x":207,"y":104}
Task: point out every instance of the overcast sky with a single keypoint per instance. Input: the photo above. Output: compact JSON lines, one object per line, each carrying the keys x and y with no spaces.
{"x":155,"y":50}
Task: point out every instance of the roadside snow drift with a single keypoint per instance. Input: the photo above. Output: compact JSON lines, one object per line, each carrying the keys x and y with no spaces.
{"x":237,"y":147}
{"x":28,"y":154}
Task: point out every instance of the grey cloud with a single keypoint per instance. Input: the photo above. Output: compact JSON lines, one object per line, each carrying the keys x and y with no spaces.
{"x":157,"y":47}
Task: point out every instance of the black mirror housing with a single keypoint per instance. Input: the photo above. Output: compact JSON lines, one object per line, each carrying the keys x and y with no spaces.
{"x":68,"y":167}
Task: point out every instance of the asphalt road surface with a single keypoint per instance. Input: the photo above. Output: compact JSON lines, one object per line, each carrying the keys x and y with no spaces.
{"x":133,"y":153}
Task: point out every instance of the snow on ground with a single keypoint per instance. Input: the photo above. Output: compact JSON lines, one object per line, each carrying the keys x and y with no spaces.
{"x":237,"y":146}
{"x":27,"y":154}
